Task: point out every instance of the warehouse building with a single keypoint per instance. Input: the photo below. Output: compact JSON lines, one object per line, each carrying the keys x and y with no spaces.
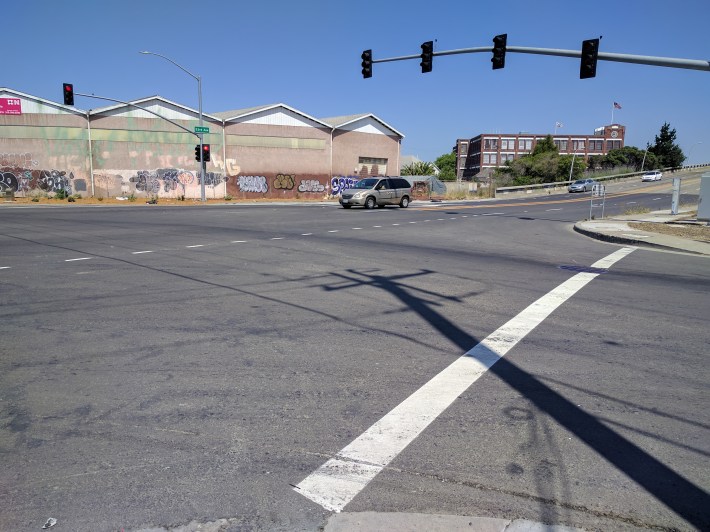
{"x":272,"y":151}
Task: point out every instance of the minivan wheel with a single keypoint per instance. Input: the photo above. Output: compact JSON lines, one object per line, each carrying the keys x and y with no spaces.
{"x":404,"y":202}
{"x":370,"y":202}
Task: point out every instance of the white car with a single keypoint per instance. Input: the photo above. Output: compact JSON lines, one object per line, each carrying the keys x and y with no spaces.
{"x":652,"y":176}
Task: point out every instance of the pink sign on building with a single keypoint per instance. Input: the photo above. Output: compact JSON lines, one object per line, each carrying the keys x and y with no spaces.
{"x":10,"y":106}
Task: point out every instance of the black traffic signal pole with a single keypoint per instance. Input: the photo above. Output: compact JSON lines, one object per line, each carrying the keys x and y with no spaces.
{"x":692,"y":64}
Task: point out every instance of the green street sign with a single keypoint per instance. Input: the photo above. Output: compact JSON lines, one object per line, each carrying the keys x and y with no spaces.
{"x":201,"y":129}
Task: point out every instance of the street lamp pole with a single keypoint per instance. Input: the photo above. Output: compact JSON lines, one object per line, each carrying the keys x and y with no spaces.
{"x":199,"y":97}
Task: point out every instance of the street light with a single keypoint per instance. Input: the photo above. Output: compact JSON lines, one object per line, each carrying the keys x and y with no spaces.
{"x":199,"y":96}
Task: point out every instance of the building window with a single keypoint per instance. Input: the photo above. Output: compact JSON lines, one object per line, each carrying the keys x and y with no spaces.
{"x":524,"y":144}
{"x":490,"y":144}
{"x":578,"y":145}
{"x":371,"y":166}
{"x":463,"y":148}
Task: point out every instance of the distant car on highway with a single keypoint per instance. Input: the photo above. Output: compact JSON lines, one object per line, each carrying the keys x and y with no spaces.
{"x":582,"y":185}
{"x":652,"y":176}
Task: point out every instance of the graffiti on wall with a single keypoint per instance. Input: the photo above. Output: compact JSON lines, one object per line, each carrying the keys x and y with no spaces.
{"x":169,"y":179}
{"x":311,"y":185}
{"x":340,"y":183}
{"x":253,"y":183}
{"x":284,"y":182}
{"x":19,"y":172}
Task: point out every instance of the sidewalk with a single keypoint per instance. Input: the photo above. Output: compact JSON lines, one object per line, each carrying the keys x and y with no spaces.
{"x":616,"y":229}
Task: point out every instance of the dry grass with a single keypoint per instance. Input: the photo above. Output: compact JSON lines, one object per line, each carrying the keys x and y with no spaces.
{"x":691,"y":231}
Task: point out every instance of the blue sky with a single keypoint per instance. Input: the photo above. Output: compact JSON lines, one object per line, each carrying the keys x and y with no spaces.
{"x":307,"y":55}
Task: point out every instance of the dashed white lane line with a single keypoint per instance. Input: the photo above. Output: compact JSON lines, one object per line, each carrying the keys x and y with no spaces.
{"x":277,"y":238}
{"x":306,"y":234}
{"x":140,"y":252}
{"x":238,"y":242}
{"x":376,"y":226}
{"x":5,"y":267}
{"x":196,"y":246}
{"x":492,"y":214}
{"x":656,"y":199}
{"x":333,"y":231}
{"x":340,"y":479}
{"x":356,"y":228}
{"x":396,"y":224}
{"x":412,"y":222}
{"x":80,"y":258}
{"x":557,"y":209}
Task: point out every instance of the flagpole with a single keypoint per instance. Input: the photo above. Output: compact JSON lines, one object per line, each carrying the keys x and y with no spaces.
{"x":612,"y":113}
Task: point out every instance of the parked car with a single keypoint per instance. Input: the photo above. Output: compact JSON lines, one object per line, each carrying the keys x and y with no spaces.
{"x":379,"y":191}
{"x":582,"y":185}
{"x":652,"y":176}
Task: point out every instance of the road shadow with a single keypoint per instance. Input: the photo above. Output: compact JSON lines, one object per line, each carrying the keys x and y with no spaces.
{"x":683,"y":497}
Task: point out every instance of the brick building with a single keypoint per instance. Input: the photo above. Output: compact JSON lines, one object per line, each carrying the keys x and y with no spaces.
{"x":479,"y":156}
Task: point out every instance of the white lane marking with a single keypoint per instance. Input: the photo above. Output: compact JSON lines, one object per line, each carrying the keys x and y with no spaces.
{"x":196,"y":246}
{"x":412,"y":222}
{"x":656,"y":199}
{"x":557,"y":209}
{"x":278,"y":238}
{"x":356,"y":228}
{"x":333,"y":231}
{"x":376,"y":226}
{"x":630,"y":202}
{"x":440,"y":219}
{"x":238,"y":241}
{"x":80,"y":258}
{"x":5,"y":267}
{"x":140,"y":252}
{"x":306,"y":234}
{"x":492,"y":213}
{"x":452,"y":218}
{"x":395,"y":224}
{"x":340,"y":479}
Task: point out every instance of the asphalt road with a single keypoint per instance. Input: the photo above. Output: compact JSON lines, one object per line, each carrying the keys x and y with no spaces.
{"x":162,"y":366}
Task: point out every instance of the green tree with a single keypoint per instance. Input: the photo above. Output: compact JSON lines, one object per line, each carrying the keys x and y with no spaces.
{"x":668,"y":153}
{"x":418,"y":168}
{"x":546,"y":145}
{"x":447,"y":166}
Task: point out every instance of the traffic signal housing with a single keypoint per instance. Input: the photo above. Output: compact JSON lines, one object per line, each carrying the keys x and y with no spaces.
{"x":197,"y":153}
{"x":68,"y":94}
{"x":366,"y":64}
{"x":499,"y":45}
{"x":206,"y":153}
{"x":588,"y":64}
{"x":427,"y":56}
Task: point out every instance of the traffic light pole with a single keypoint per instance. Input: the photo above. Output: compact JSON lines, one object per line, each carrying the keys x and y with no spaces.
{"x":199,"y":96}
{"x":692,"y":64}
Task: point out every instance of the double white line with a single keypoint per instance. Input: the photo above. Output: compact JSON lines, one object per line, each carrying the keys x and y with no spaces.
{"x":340,"y":479}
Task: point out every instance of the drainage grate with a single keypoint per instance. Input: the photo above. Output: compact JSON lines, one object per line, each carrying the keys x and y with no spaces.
{"x":585,"y":269}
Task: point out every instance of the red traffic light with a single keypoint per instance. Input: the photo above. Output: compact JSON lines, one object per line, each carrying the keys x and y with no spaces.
{"x":206,"y":152}
{"x":68,"y":94}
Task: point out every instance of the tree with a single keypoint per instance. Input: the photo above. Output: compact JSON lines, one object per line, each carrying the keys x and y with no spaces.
{"x":544,"y":146}
{"x":447,"y":166}
{"x":418,"y":168}
{"x":666,"y":150}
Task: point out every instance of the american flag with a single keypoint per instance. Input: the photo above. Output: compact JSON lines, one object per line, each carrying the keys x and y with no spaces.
{"x":559,"y":124}
{"x":617,"y":105}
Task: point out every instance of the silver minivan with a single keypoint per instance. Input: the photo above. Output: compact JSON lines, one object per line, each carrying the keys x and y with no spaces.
{"x":379,"y":191}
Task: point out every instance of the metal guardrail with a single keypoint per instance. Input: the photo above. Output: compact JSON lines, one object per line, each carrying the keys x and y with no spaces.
{"x":564,"y":184}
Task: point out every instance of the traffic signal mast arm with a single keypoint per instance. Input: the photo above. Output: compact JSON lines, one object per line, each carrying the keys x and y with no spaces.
{"x":198,"y":135}
{"x":692,"y":64}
